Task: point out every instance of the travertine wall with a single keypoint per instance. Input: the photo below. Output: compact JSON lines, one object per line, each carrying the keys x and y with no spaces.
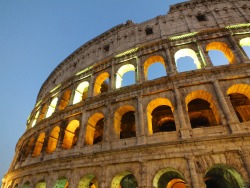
{"x":44,"y":156}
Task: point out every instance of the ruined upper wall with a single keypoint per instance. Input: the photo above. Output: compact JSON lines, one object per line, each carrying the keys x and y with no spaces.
{"x":182,"y":18}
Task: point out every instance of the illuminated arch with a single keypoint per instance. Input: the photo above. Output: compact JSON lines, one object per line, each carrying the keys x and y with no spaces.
{"x":81,"y":92}
{"x":39,"y":145}
{"x":245,"y":44}
{"x":71,"y":134}
{"x":186,"y":52}
{"x":53,"y":139}
{"x":92,"y":131}
{"x":43,"y":112}
{"x":223,"y":47}
{"x":204,"y":96}
{"x":154,"y":104}
{"x":118,"y":117}
{"x":34,"y":121}
{"x":100,"y":80}
{"x":88,"y":181}
{"x":122,"y":70}
{"x":150,"y":61}
{"x":26,"y":184}
{"x":64,"y":100}
{"x":240,"y":98}
{"x":29,"y":147}
{"x":41,"y":184}
{"x":169,"y":178}
{"x":52,"y":107}
{"x":223,"y":176}
{"x":120,"y":179}
{"x":61,"y":183}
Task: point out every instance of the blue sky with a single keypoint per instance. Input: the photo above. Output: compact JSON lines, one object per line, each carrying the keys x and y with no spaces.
{"x":35,"y":36}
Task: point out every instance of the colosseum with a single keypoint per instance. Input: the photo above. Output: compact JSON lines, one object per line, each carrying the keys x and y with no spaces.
{"x":186,"y":128}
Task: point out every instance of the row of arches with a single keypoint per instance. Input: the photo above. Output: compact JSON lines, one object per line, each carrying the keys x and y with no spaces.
{"x":201,"y":107}
{"x":125,"y":75}
{"x":218,"y":176}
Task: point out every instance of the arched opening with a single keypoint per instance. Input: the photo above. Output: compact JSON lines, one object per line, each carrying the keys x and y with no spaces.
{"x":124,"y":122}
{"x":61,"y":183}
{"x":169,"y":178}
{"x":94,"y":129}
{"x":124,"y":180}
{"x":201,"y":109}
{"x":101,"y":83}
{"x":29,"y":147}
{"x":53,"y":139}
{"x":88,"y":181}
{"x":35,"y":119}
{"x":64,"y":100}
{"x":240,"y":98}
{"x":160,"y":116}
{"x":39,"y":145}
{"x":41,"y":184}
{"x":52,"y":107}
{"x":217,"y":57}
{"x":43,"y":112}
{"x":245,"y":44}
{"x":26,"y":184}
{"x":81,"y":92}
{"x":71,"y":134}
{"x":222,"y":47}
{"x":154,"y":67}
{"x":221,"y":176}
{"x":125,"y":80}
{"x":16,"y":186}
{"x":186,"y":60}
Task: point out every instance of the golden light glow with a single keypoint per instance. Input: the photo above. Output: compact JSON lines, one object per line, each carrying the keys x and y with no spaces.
{"x":122,"y":70}
{"x":52,"y":107}
{"x":245,"y":41}
{"x":84,"y":70}
{"x":151,"y":60}
{"x":238,"y":26}
{"x":55,"y":88}
{"x":127,"y":52}
{"x":240,"y":88}
{"x":35,"y":119}
{"x":39,"y":145}
{"x":183,"y":36}
{"x":70,"y":134}
{"x":53,"y":139}
{"x":221,"y":46}
{"x":81,"y":92}
{"x":98,"y":82}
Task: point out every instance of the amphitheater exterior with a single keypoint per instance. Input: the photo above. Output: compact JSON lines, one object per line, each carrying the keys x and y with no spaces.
{"x":187,"y":128}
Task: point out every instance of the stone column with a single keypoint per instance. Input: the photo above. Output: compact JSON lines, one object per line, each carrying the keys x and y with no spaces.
{"x":91,"y":86}
{"x":231,"y":121}
{"x":169,"y":62}
{"x":246,"y":158}
{"x":113,"y":76}
{"x":238,"y":49}
{"x":141,"y":134}
{"x":144,"y":179}
{"x":102,"y":182}
{"x":140,"y":71}
{"x":82,"y":130}
{"x":192,"y":171}
{"x":185,"y":132}
{"x":204,"y":55}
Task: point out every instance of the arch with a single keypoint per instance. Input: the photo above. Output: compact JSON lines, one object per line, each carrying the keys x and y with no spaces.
{"x":240,"y":98}
{"x":245,"y":44}
{"x":29,"y":147}
{"x":153,"y":60}
{"x":201,"y":108}
{"x":35,"y":118}
{"x":43,"y":112}
{"x":53,"y":139}
{"x":223,"y":47}
{"x":52,"y":107}
{"x":124,"y":179}
{"x":88,"y":181}
{"x":169,"y":178}
{"x":61,"y":183}
{"x":220,"y":176}
{"x":94,"y":129}
{"x":119,"y":122}
{"x":71,"y":134}
{"x":81,"y":92}
{"x":26,"y":184}
{"x":153,"y":105}
{"x":39,"y":145}
{"x":41,"y":184}
{"x":101,"y":84}
{"x":64,"y":100}
{"x":122,"y":70}
{"x":187,"y":52}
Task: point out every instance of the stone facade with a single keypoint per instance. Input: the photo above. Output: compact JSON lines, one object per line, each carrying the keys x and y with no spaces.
{"x":185,"y":129}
